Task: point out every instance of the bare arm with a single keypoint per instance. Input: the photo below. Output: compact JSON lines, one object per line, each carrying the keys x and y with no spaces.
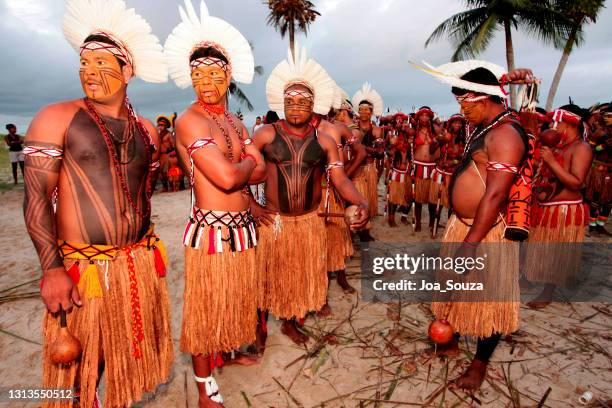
{"x":41,"y":178}
{"x":343,"y":184}
{"x":259,"y":173}
{"x":359,"y":152}
{"x":503,"y":145}
{"x":579,"y":166}
{"x":209,"y":160}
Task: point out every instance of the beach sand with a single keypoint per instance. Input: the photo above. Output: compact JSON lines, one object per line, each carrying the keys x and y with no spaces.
{"x":375,"y":355}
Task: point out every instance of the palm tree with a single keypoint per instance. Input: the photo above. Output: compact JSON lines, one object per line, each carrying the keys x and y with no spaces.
{"x":579,"y":12}
{"x":236,"y":92}
{"x":472,"y":30}
{"x":287,"y":15}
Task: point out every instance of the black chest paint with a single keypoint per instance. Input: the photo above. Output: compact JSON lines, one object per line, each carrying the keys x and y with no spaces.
{"x":299,"y":163}
{"x":95,"y":180}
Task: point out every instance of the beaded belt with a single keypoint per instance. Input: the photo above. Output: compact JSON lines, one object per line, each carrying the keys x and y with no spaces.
{"x":235,"y":227}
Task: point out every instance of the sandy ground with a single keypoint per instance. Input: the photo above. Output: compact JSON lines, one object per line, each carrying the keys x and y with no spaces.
{"x":374,"y":355}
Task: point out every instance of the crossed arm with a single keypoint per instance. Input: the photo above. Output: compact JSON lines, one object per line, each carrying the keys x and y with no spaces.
{"x":211,"y":161}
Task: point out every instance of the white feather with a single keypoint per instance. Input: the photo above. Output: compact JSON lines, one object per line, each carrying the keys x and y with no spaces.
{"x":300,"y":69}
{"x":195,"y":29}
{"x":83,"y":17}
{"x":366,"y":93}
{"x":452,"y":72}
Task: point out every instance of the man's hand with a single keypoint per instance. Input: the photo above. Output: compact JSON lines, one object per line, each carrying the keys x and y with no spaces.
{"x":59,"y":291}
{"x":261,"y":214}
{"x":520,"y":76}
{"x":467,"y":250}
{"x":362,"y":216}
{"x":547,"y":155}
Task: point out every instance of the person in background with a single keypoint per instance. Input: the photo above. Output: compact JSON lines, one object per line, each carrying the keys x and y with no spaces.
{"x":15,"y":146}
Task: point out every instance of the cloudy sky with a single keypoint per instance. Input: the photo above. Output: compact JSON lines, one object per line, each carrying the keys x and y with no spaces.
{"x":355,"y":40}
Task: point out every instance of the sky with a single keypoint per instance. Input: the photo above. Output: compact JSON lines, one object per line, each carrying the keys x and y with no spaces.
{"x":354,"y":40}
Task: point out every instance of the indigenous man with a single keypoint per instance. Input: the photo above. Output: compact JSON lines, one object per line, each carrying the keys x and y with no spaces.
{"x":339,"y":242}
{"x":354,"y":152}
{"x":167,"y":145}
{"x":369,"y":103}
{"x":220,"y":309}
{"x":559,"y":216}
{"x":292,"y":249}
{"x":479,"y":194}
{"x":450,"y":156}
{"x":599,"y":180}
{"x":98,"y":250}
{"x":15,"y":146}
{"x":425,"y":146}
{"x":399,"y":183}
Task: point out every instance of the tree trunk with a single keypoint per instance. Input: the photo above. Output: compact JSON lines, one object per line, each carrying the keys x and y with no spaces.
{"x":510,"y":60}
{"x":554,"y":86}
{"x":292,"y":39}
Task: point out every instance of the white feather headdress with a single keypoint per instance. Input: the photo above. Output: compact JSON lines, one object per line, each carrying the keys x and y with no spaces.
{"x":301,"y":70}
{"x":366,"y":93}
{"x":452,"y":72}
{"x":340,"y":99}
{"x":203,"y":29}
{"x":122,"y":25}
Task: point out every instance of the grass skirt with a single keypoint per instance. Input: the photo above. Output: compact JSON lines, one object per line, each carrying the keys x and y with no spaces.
{"x":483,"y":318}
{"x":400,"y":193}
{"x":599,"y":185}
{"x":371,"y":174}
{"x":104,"y":327}
{"x":361,"y":184}
{"x":291,"y":256}
{"x":220,"y":300}
{"x":551,"y":257}
{"x":339,"y":242}
{"x":439,"y":187}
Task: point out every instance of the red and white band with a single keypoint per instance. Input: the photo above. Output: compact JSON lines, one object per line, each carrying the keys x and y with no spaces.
{"x":503,"y":167}
{"x":120,"y":51}
{"x":561,"y":115}
{"x":39,"y":151}
{"x":398,"y":175}
{"x":296,"y":92}
{"x":209,"y":62}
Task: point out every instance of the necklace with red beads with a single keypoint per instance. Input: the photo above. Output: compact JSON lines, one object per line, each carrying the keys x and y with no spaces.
{"x":132,"y":118}
{"x":213,"y":111}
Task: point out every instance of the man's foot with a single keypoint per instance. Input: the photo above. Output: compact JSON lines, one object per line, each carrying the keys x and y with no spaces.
{"x":289,"y":329}
{"x":392,"y":223}
{"x":602,"y":230}
{"x":325,"y":311}
{"x":472,"y":378}
{"x":538,"y":304}
{"x":343,"y":282}
{"x":417,"y":227}
{"x":240,"y":359}
{"x":404,"y":220}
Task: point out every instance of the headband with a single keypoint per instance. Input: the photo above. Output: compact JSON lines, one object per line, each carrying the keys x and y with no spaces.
{"x":119,"y":50}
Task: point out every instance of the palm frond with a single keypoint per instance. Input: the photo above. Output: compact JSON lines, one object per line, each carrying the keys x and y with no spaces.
{"x":240,"y":96}
{"x":458,"y":25}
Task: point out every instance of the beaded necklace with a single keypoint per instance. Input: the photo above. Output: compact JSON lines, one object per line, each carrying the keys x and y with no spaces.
{"x":212,"y":112}
{"x":471,"y":139}
{"x":132,"y":118}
